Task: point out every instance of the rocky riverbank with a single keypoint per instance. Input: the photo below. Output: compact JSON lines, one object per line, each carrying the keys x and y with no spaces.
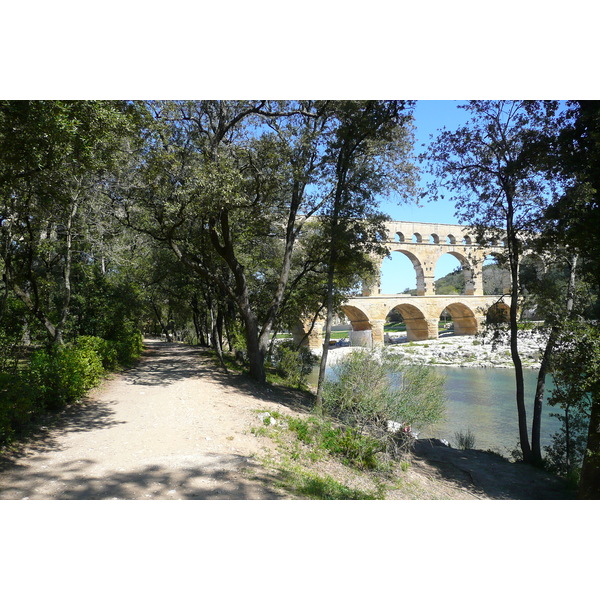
{"x":457,"y":351}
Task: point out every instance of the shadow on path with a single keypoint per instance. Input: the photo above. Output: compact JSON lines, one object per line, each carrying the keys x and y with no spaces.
{"x":215,"y":478}
{"x":168,"y":363}
{"x":45,"y":434}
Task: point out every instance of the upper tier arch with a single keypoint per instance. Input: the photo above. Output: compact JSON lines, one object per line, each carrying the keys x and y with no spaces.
{"x":425,"y":243}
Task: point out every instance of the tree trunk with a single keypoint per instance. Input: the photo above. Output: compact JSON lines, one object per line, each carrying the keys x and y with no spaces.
{"x":538,"y":402}
{"x":163,"y":327}
{"x":58,"y":336}
{"x":256,"y":353}
{"x":328,"y":320}
{"x":513,"y":249}
{"x":589,"y":483}
{"x":333,"y":257}
{"x":216,"y":336}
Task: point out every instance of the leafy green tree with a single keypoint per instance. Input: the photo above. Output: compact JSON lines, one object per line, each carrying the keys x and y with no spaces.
{"x":367,"y":156}
{"x":221,"y":184}
{"x":573,"y":221}
{"x":53,"y":157}
{"x":578,"y":389}
{"x":229,"y":187}
{"x":492,"y":166}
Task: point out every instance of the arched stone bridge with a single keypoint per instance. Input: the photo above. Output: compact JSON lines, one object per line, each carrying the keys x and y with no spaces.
{"x":424,"y":244}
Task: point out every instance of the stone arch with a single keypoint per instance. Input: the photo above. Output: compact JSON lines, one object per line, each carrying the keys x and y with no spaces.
{"x":434,"y":238}
{"x":467,"y":240}
{"x":362,"y":327}
{"x":450,"y":239}
{"x":417,"y":238}
{"x":467,"y":269}
{"x":359,"y":320}
{"x":465,"y":322}
{"x":417,"y":266}
{"x":416,"y":323}
{"x":399,"y":236}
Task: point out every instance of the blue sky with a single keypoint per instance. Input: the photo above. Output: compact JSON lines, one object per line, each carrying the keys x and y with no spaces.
{"x":430,"y":116}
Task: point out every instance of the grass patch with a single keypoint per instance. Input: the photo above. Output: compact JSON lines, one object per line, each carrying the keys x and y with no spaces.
{"x":394,"y":327}
{"x":322,"y":487}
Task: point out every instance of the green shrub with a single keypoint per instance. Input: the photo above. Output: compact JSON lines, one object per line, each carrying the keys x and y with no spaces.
{"x":64,"y":374}
{"x":18,"y":406}
{"x":105,"y":349}
{"x":347,"y":442}
{"x":304,"y":429}
{"x":129,"y":345}
{"x":292,"y":364}
{"x":465,"y":440}
{"x":360,"y":450}
{"x":370,"y":389}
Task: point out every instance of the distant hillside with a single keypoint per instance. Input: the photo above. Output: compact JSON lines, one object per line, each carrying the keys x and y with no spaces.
{"x":495,"y":281}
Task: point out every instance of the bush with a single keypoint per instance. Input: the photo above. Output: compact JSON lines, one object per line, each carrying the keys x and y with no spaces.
{"x":293,"y":364}
{"x":370,"y":389}
{"x":105,"y":349}
{"x":465,"y":440}
{"x":18,"y":406}
{"x":357,"y":449}
{"x":65,"y":374}
{"x":129,"y":345}
{"x":360,"y":450}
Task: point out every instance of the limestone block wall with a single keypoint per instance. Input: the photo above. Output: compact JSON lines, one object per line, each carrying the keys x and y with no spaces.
{"x":420,"y":313}
{"x":425,"y":243}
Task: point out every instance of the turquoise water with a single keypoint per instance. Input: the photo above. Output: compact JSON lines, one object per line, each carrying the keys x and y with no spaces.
{"x":482,"y":400}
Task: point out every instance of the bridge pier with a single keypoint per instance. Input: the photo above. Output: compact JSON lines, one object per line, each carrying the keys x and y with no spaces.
{"x":314,"y":340}
{"x":421,"y":329}
{"x":377,"y":332}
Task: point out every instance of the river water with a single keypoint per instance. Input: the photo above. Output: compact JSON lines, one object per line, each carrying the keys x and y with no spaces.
{"x":482,"y":400}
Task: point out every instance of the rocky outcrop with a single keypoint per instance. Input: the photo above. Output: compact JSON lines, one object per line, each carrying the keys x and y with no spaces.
{"x":459,"y":351}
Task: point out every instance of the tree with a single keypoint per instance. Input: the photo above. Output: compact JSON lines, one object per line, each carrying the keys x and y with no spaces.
{"x":53,"y":156}
{"x":225,"y":185}
{"x":367,"y":157}
{"x":493,"y":166}
{"x":573,"y":220}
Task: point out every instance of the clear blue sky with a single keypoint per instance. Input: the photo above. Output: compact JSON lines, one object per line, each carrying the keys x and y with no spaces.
{"x":430,"y":116}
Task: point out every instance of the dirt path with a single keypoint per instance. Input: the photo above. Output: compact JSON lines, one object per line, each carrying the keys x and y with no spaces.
{"x":175,"y":427}
{"x":170,"y":428}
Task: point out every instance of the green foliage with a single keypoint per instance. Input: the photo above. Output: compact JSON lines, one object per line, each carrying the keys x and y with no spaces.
{"x":64,"y":374}
{"x":355,"y":448}
{"x":105,"y":349}
{"x":12,"y":328}
{"x":18,"y":406}
{"x":129,"y":345}
{"x":360,"y":450}
{"x":318,"y":487}
{"x":564,"y":456}
{"x":465,"y":440}
{"x":293,"y":364}
{"x":368,"y":389}
{"x":575,"y":368}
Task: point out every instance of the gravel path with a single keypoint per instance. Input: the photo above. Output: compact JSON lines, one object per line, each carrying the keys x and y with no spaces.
{"x":173,"y":427}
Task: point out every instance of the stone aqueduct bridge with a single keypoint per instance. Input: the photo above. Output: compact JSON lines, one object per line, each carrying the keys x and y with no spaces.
{"x":423,"y":244}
